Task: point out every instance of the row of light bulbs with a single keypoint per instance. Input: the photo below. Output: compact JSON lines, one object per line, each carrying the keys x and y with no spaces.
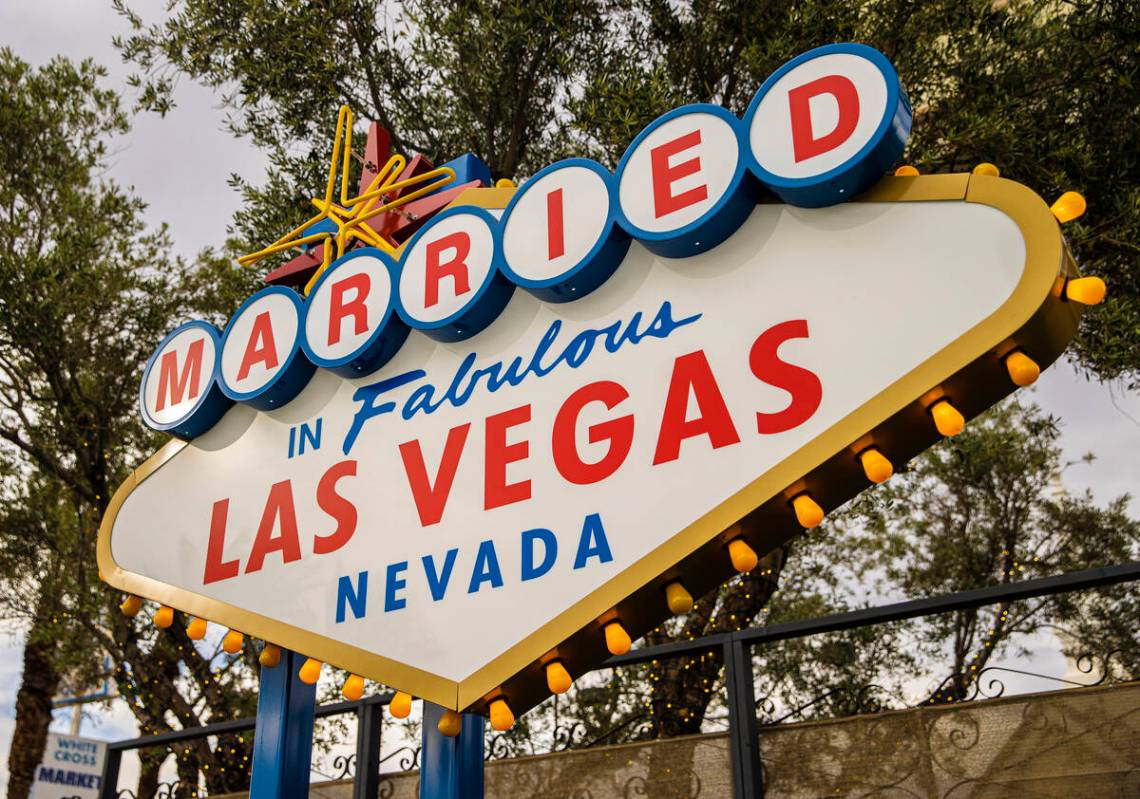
{"x":948,"y":420}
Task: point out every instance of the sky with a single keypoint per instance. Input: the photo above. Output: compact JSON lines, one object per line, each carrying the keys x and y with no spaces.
{"x":179,"y":164}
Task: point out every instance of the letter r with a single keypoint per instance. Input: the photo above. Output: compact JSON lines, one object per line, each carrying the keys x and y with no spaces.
{"x":435,"y":268}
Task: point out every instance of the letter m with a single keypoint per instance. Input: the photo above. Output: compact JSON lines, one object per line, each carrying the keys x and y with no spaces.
{"x":348,"y":596}
{"x":173,"y":384}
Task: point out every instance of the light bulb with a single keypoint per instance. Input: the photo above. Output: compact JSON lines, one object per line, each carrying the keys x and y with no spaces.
{"x":1023,"y":370}
{"x":906,"y":171}
{"x":743,"y":557}
{"x":679,"y":600}
{"x":131,"y":606}
{"x":557,"y":678}
{"x":1068,"y":207}
{"x":1085,"y":290}
{"x":196,"y":629}
{"x":987,"y":170}
{"x":449,"y":724}
{"x":808,"y":512}
{"x":163,"y":617}
{"x":401,"y":705}
{"x":947,"y":418}
{"x":353,"y":687}
{"x":502,"y":719}
{"x":232,"y":642}
{"x":617,"y":639}
{"x":270,"y":656}
{"x":310,"y":671}
{"x":875,"y":465}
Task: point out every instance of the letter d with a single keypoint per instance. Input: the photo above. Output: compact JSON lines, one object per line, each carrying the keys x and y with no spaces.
{"x":549,"y":553}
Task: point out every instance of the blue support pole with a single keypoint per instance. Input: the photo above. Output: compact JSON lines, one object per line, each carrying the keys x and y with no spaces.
{"x":283,"y":738}
{"x":451,"y":768}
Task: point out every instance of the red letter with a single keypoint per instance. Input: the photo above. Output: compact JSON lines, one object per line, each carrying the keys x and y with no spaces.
{"x":338,"y":308}
{"x":216,"y":568}
{"x":173,"y":384}
{"x":664,"y":176}
{"x":456,"y":268}
{"x":692,"y":372}
{"x":803,"y":385}
{"x":556,"y":239}
{"x":805,"y":144}
{"x":431,"y":499}
{"x":279,"y":505}
{"x":340,"y":509}
{"x":498,"y":455}
{"x":261,"y":347}
{"x":618,"y":432}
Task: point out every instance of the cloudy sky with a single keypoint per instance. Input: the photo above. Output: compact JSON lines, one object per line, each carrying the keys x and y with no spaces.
{"x":179,"y":164}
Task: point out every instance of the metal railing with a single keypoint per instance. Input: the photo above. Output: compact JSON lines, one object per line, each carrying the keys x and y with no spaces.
{"x":735,"y":649}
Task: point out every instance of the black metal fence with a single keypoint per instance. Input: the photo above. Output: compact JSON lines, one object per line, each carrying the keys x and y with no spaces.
{"x":734,"y":649}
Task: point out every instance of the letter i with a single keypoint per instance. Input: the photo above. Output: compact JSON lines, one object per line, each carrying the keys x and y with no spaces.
{"x":554,"y":225}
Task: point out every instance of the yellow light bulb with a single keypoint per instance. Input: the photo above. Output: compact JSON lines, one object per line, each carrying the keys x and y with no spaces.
{"x":617,"y":639}
{"x":449,"y":724}
{"x":1068,"y":207}
{"x":270,"y":656}
{"x":131,"y":606}
{"x":875,"y":465}
{"x":557,"y":678}
{"x":947,"y":418}
{"x":987,"y":169}
{"x":401,"y":705}
{"x":353,"y":687}
{"x":808,"y":512}
{"x":232,"y":642}
{"x":907,"y":171}
{"x":743,"y":557}
{"x":678,"y":599}
{"x":163,"y":617}
{"x":196,"y":629}
{"x":1023,"y":370}
{"x":504,"y":183}
{"x":1085,"y":290}
{"x":502,"y":719}
{"x":310,"y":671}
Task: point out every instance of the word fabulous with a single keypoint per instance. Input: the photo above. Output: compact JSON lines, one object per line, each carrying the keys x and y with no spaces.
{"x":821,"y":129}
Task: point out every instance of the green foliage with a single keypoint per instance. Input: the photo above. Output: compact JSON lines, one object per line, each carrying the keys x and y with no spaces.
{"x":89,"y":289}
{"x":1047,"y":90}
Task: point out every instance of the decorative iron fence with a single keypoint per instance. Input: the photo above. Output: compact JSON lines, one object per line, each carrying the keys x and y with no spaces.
{"x":746,"y":713}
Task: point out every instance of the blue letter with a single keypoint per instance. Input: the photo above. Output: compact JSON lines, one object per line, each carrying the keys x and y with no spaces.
{"x":592,"y":530}
{"x":486,"y":568}
{"x":366,"y":396}
{"x":394,"y":584}
{"x":549,"y":552}
{"x":347,"y":595}
{"x":437,"y":582}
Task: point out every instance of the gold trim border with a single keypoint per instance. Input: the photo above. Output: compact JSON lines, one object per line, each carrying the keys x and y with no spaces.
{"x":1033,"y":316}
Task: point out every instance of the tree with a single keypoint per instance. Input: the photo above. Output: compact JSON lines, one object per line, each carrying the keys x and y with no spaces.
{"x":88,"y":290}
{"x":520,"y":84}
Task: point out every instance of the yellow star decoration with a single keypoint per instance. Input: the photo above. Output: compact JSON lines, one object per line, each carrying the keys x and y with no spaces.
{"x":351,"y":215}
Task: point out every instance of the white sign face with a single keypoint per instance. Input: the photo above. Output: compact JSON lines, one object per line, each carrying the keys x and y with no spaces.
{"x":445,"y":267}
{"x":818,"y":115}
{"x":484,"y":499}
{"x":72,"y":767}
{"x":180,"y":376}
{"x":679,"y":171}
{"x":346,"y":309}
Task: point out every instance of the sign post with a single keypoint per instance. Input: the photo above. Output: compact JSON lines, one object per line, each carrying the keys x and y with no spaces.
{"x":283,"y":741}
{"x":451,"y":767}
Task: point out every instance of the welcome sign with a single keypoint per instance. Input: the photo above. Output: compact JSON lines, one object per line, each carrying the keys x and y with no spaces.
{"x":563,"y":410}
